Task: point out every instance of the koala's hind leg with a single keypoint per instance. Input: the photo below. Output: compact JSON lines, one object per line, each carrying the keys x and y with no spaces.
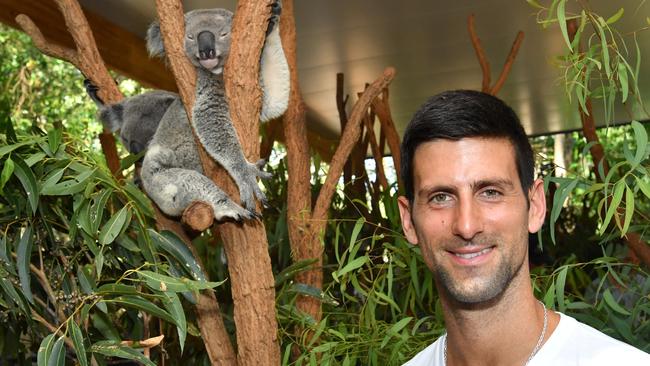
{"x":175,"y":189}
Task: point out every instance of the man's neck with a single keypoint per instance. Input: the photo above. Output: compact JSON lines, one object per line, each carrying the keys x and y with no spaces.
{"x":503,"y":332}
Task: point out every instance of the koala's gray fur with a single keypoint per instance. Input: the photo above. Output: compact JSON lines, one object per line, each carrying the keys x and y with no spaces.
{"x":135,"y":118}
{"x":171,"y":173}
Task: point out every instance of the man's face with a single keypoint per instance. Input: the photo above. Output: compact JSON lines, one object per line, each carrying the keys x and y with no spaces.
{"x":470,"y":216}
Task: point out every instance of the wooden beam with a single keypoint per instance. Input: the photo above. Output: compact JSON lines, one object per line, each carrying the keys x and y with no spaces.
{"x":123,"y":52}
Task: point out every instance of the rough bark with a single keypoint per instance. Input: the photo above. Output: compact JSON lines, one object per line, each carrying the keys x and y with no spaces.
{"x":172,"y":26}
{"x":246,"y":246}
{"x":303,"y":244}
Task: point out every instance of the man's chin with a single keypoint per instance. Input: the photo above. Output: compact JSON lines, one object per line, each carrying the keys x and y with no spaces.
{"x":472,"y":291}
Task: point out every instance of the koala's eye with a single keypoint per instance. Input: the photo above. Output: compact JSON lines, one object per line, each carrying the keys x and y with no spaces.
{"x":223,"y":34}
{"x":189,"y":36}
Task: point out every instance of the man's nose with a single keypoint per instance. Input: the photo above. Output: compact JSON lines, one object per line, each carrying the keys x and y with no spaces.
{"x":468,"y":221}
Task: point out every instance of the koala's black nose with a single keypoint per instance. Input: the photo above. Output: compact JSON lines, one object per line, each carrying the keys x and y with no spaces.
{"x":206,"y":45}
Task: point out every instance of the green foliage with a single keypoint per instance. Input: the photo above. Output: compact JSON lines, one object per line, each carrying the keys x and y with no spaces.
{"x":108,"y":273}
{"x":78,"y":260}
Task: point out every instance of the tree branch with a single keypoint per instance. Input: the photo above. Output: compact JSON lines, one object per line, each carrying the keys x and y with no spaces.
{"x":87,"y":59}
{"x":349,"y":138}
{"x":377,"y":154}
{"x":480,"y":54}
{"x":382,"y":108}
{"x":508,"y":64}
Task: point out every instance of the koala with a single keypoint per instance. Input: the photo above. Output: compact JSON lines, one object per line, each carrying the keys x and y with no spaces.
{"x":171,"y":173}
{"x":135,"y":118}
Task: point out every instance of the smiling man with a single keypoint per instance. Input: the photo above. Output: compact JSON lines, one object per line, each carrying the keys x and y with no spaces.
{"x":471,"y":201}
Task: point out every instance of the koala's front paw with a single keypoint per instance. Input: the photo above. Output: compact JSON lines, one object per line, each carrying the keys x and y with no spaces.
{"x":249,"y":190}
{"x":276,"y":10}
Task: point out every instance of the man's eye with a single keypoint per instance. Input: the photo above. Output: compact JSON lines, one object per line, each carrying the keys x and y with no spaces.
{"x":440,"y":198}
{"x":491,"y":193}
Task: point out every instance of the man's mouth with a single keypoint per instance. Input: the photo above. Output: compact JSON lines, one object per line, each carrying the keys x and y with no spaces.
{"x":473,"y":254}
{"x":468,"y":255}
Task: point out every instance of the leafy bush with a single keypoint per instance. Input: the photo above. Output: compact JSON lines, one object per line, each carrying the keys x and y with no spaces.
{"x":79,"y":262}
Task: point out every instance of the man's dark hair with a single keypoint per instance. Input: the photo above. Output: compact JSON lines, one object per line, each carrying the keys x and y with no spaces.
{"x":453,"y":115}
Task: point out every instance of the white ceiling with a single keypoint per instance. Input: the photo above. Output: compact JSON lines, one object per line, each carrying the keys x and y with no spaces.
{"x":428,"y":43}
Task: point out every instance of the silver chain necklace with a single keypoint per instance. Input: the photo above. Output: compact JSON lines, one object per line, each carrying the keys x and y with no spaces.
{"x":535,"y":350}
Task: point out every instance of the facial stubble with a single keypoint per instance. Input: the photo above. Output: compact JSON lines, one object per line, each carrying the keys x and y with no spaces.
{"x":486,"y":289}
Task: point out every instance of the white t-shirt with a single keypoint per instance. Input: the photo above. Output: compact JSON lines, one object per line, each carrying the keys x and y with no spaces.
{"x":571,"y":344}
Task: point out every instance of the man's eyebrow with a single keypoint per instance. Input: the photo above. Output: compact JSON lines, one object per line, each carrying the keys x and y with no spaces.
{"x":436,"y":188}
{"x":498,"y":182}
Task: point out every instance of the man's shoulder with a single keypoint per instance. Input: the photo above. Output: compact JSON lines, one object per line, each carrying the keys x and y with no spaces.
{"x":575,"y":341}
{"x":430,"y":356}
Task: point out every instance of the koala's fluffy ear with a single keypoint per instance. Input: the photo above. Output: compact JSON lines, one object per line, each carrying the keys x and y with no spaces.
{"x":154,"y":41}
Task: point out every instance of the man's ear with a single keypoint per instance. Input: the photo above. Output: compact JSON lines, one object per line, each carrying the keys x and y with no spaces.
{"x":537,"y":207}
{"x":407,"y":220}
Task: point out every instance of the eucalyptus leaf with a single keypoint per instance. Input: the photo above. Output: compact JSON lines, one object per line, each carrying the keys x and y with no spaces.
{"x":629,"y":210}
{"x":78,"y":341}
{"x":7,"y":171}
{"x":641,"y":139}
{"x":44,"y":350}
{"x":614,"y":18}
{"x":57,"y":357}
{"x":173,"y":245}
{"x":114,"y":226}
{"x":619,"y":189}
{"x":561,"y":20}
{"x":352,"y":265}
{"x":160,"y":282}
{"x":613,"y":304}
{"x":27,"y":179}
{"x":54,"y":138}
{"x":115,"y":349}
{"x":140,"y":303}
{"x":175,"y":309}
{"x":23,"y":259}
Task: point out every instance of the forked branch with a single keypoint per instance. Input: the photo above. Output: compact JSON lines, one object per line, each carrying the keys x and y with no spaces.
{"x":483,"y":61}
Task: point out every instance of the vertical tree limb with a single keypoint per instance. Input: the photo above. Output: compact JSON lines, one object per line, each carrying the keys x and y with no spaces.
{"x":341,"y":101}
{"x":508,"y":64}
{"x":381,"y":107}
{"x":377,"y":154}
{"x":246,"y":246}
{"x":304,"y":244}
{"x":480,"y":54}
